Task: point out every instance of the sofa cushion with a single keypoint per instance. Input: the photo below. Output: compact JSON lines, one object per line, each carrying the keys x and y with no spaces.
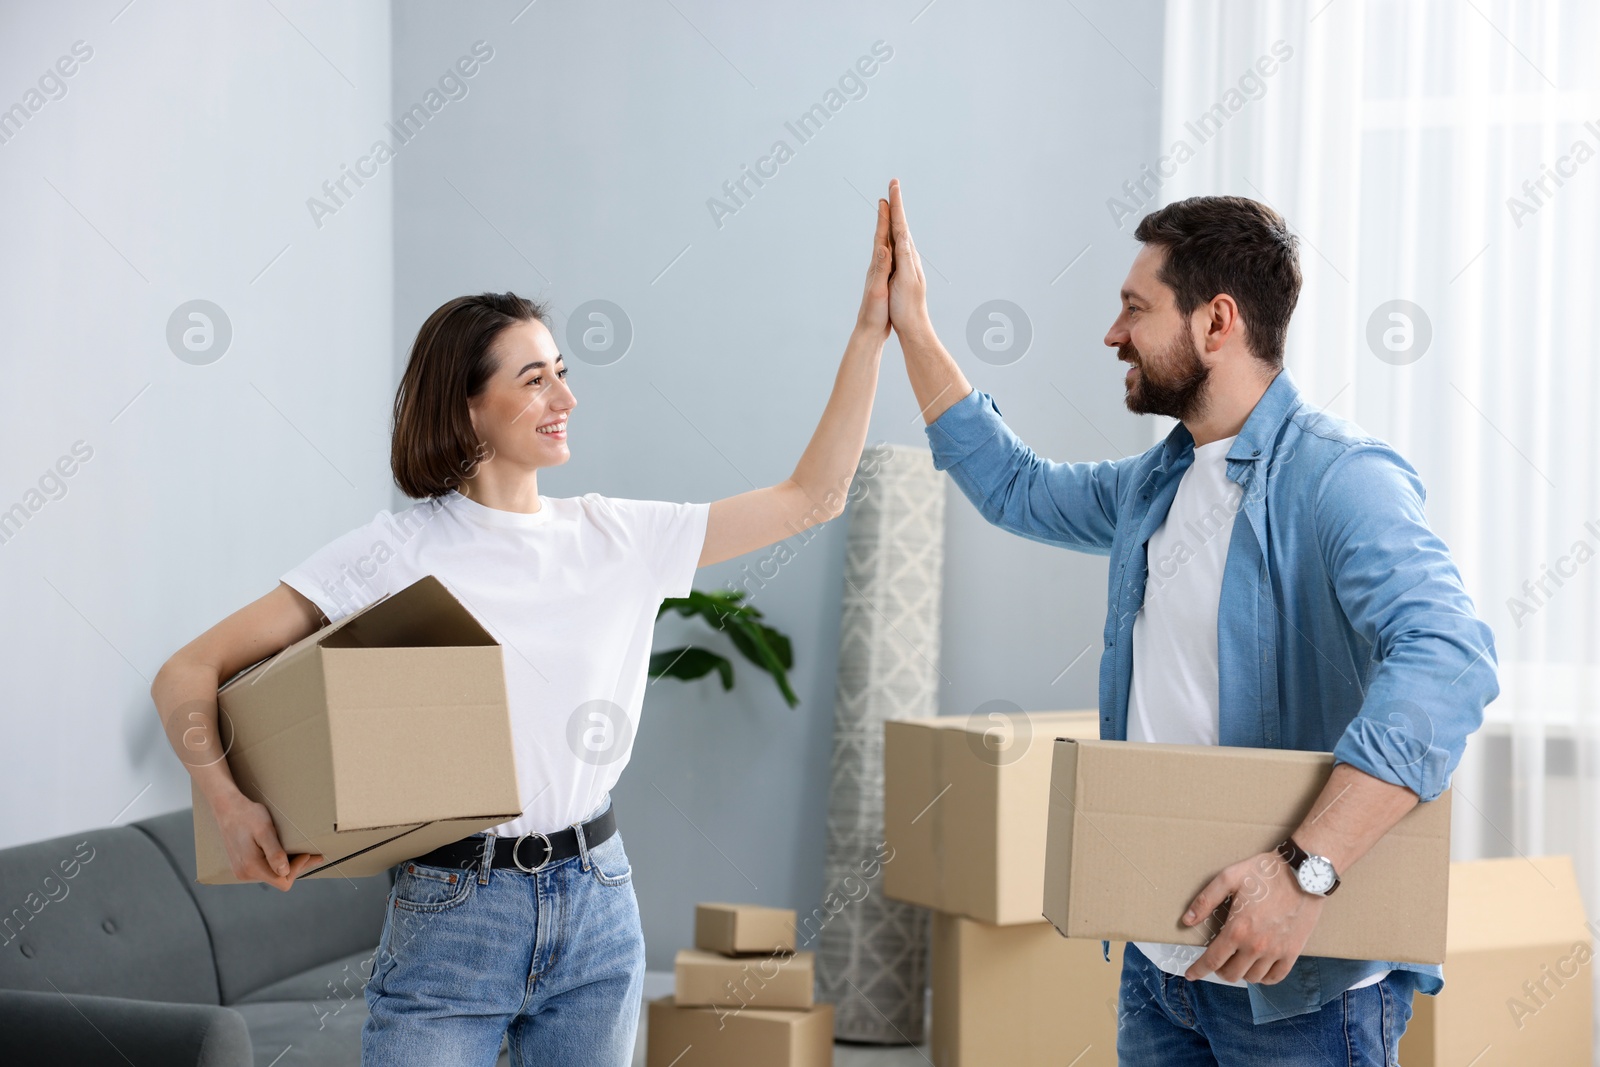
{"x":335,"y":982}
{"x":308,"y":1036}
{"x":260,"y":935}
{"x":102,"y":912}
{"x":304,"y":1033}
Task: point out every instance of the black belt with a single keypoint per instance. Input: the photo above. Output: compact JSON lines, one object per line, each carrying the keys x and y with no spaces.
{"x":529,"y":853}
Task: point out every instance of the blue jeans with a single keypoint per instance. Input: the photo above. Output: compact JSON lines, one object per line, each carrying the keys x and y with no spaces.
{"x":1165,"y":1020}
{"x":553,"y":960}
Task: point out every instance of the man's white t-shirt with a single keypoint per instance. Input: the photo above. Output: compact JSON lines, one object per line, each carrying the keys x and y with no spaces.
{"x":1175,"y":697}
{"x":571,"y":593}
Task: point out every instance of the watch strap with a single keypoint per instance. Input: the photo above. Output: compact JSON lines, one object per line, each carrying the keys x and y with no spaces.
{"x":1293,"y":856}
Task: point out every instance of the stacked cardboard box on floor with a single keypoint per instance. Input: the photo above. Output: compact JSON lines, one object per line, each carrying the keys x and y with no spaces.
{"x":1022,"y":992}
{"x":742,"y":995}
{"x":1518,"y":971}
{"x":966,"y":807}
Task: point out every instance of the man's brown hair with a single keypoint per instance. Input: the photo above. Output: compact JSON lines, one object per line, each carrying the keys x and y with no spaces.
{"x":1229,"y":244}
{"x":434,"y":445}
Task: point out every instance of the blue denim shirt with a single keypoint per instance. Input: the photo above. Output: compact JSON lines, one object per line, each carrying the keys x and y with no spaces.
{"x":1343,"y":624}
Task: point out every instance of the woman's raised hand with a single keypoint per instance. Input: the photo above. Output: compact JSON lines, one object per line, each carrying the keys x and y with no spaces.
{"x":820,"y":484}
{"x":873,"y":318}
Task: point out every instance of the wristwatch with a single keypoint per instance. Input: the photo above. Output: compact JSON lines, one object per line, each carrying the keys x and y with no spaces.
{"x":1314,"y":873}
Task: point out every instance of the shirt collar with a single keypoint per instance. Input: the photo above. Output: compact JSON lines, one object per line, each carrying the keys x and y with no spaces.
{"x":484,"y":515}
{"x":1257,"y":434}
{"x":1261,"y":428}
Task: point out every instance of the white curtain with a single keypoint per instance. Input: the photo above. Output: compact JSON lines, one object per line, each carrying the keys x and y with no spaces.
{"x":1444,"y":153}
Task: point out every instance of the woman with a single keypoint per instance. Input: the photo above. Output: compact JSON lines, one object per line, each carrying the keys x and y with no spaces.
{"x":531,"y":928}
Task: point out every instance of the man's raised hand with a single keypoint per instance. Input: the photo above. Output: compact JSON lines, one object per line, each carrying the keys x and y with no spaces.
{"x":935,"y":378}
{"x":908,"y":285}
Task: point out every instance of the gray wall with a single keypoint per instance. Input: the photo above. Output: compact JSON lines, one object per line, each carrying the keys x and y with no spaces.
{"x":175,"y":167}
{"x":578,"y":167}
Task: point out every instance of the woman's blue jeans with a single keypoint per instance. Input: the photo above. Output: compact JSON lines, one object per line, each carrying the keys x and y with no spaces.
{"x":553,"y":960}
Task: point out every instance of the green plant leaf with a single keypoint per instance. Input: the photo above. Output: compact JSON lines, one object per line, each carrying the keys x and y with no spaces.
{"x":687,"y":664}
{"x":750,"y":638}
{"x":780,"y":645}
{"x":727,"y":612}
{"x":714,"y":608}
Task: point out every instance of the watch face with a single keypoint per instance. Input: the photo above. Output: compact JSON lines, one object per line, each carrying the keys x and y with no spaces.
{"x":1315,"y":874}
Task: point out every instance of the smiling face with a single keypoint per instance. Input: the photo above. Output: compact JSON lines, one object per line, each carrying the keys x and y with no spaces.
{"x":521,"y":413}
{"x":1166,"y":375}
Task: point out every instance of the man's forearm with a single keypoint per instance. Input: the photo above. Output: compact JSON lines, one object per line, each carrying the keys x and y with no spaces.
{"x":935,"y":378}
{"x":1353,"y":811}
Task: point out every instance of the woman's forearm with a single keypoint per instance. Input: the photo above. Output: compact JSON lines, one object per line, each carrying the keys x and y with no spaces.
{"x":185,"y":689}
{"x":820,"y":484}
{"x":185,"y":696}
{"x":829,"y":462}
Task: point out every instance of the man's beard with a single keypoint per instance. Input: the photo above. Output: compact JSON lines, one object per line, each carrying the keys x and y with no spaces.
{"x":1176,"y":389}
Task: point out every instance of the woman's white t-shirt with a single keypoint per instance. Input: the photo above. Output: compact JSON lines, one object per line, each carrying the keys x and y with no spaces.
{"x":571,"y":593}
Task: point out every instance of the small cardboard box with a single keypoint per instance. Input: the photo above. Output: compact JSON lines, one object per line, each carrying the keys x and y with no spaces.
{"x":710,"y":979}
{"x":965,"y":806}
{"x":731,"y":1037}
{"x":735,"y":929}
{"x":373,"y":740}
{"x":1023,"y":996}
{"x":1138,"y":829}
{"x":1518,"y":971}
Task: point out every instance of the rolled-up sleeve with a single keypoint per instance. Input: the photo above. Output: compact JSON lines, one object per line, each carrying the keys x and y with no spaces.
{"x":1072,"y":505}
{"x":1401,"y":591}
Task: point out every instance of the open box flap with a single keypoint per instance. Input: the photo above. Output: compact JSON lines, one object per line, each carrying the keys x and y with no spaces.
{"x":424,"y":613}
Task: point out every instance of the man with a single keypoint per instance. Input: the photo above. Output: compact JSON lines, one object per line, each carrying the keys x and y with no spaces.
{"x":1273,"y":583}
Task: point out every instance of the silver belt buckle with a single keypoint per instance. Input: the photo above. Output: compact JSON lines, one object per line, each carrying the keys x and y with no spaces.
{"x":549,"y":853}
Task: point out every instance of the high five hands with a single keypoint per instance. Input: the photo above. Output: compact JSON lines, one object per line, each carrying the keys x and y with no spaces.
{"x":908,"y":285}
{"x":897,"y":289}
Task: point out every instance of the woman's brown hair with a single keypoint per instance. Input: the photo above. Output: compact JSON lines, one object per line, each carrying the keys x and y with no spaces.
{"x":434,"y":446}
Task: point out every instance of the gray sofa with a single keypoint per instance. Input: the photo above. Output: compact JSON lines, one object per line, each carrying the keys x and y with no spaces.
{"x":112,"y":953}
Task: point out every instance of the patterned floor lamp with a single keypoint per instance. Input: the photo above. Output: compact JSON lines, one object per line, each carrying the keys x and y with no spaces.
{"x":872,"y":956}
